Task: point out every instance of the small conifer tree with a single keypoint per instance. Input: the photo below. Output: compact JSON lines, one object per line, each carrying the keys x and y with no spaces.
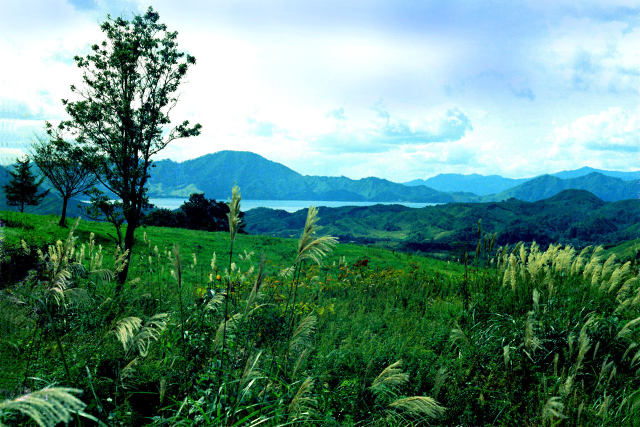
{"x":22,"y":189}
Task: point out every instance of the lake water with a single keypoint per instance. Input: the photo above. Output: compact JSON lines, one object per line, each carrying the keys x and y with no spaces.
{"x":287,"y":205}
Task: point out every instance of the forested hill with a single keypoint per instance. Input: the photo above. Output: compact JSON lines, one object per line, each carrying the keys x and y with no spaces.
{"x":605,"y":187}
{"x":259,"y":178}
{"x":572,"y":216}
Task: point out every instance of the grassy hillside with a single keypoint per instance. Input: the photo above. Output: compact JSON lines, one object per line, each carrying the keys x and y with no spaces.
{"x":520,"y":337}
{"x":39,"y":230}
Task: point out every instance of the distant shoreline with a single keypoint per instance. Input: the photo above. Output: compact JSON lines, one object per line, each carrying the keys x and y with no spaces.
{"x":286,"y":205}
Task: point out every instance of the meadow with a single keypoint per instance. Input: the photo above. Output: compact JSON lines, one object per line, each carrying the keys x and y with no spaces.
{"x":258,"y":330}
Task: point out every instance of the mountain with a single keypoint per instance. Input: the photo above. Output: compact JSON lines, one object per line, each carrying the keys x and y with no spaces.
{"x":586,"y":170}
{"x":605,"y":187}
{"x":574,"y":217}
{"x":478,"y":184}
{"x":484,"y":185}
{"x":261,"y":179}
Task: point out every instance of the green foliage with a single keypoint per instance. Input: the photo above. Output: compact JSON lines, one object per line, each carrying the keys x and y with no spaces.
{"x":573,"y":217}
{"x":66,"y":167}
{"x":129,"y":87}
{"x":22,"y":188}
{"x":197,"y":213}
{"x":547,"y":337}
{"x":46,"y":407}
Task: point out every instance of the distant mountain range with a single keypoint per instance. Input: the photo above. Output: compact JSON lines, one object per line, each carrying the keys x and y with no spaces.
{"x":605,"y":187}
{"x":262,"y":179}
{"x":484,"y":185}
{"x":481,"y":185}
{"x":259,"y":178}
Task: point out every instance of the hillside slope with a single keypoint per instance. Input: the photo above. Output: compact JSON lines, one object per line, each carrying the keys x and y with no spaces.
{"x":572,"y":216}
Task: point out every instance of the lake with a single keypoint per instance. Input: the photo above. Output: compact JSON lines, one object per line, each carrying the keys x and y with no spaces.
{"x":286,"y":205}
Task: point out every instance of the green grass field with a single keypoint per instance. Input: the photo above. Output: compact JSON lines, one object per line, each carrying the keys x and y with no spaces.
{"x":367,"y":337}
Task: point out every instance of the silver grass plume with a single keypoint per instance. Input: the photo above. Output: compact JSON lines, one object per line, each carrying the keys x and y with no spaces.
{"x":604,"y":406}
{"x":419,"y":405}
{"x":552,"y":409}
{"x":250,"y":371}
{"x":608,"y":267}
{"x":226,"y":327}
{"x":627,"y":328}
{"x":310,"y":247}
{"x":150,"y":332}
{"x":506,"y":355}
{"x":459,"y":338}
{"x":625,"y":295}
{"x":250,"y":375}
{"x":234,"y":212}
{"x":47,"y":407}
{"x":132,"y":334}
{"x":126,"y":329}
{"x":303,"y":404}
{"x":300,"y":362}
{"x":585,"y":346}
{"x":255,"y":290}
{"x":230,"y":326}
{"x":593,"y":262}
{"x":128,"y":371}
{"x":216,"y":302}
{"x":531,"y":341}
{"x":441,"y":377}
{"x":391,"y":376}
{"x":619,"y":276}
{"x":303,"y":332}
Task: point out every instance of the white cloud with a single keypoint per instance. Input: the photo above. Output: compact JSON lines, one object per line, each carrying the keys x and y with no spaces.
{"x":268,"y":73}
{"x":614,"y":130}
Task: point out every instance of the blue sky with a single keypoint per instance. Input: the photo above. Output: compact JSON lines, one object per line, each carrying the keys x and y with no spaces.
{"x":395,"y":89}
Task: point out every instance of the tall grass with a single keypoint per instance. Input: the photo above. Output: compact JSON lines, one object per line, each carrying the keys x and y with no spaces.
{"x":524,"y":335}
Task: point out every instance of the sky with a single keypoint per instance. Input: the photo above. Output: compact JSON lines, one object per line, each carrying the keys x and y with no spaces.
{"x":398,"y":89}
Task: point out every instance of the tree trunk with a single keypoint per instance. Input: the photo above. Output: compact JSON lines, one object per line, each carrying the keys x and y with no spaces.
{"x":63,"y":217}
{"x":128,"y":245}
{"x":22,"y":206}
